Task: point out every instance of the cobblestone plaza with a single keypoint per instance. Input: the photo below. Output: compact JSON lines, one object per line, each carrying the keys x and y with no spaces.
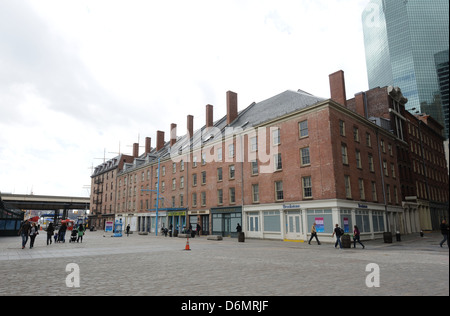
{"x":160,"y":266}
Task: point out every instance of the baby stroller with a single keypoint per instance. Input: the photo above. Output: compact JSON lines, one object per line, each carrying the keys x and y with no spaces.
{"x":73,"y":235}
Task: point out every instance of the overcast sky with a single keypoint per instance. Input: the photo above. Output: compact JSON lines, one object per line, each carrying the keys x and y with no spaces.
{"x":80,"y":78}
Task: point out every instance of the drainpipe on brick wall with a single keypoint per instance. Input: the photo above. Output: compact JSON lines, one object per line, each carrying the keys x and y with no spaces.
{"x":382,"y":180}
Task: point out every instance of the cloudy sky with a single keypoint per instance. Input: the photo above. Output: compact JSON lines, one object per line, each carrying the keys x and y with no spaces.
{"x":82,"y":79}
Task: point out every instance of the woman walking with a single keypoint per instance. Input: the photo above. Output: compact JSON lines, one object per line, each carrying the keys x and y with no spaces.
{"x":356,"y":237}
{"x":33,"y":233}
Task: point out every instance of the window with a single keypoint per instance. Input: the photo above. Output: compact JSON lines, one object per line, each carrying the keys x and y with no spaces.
{"x":276,"y":134}
{"x":203,"y":159}
{"x":386,"y":172}
{"x":355,"y":134}
{"x":253,"y":144}
{"x":279,"y":191}
{"x":348,"y":188}
{"x":278,"y":163}
{"x":231,"y":171}
{"x":374,"y":192}
{"x":393,"y":170}
{"x":203,"y":198}
{"x":194,"y":180}
{"x":344,"y":154}
{"x":182,"y":165}
{"x":341,"y":128}
{"x":371,"y":165}
{"x":194,"y":199}
{"x":358,"y":159}
{"x":203,"y":177}
{"x":383,"y":147}
{"x":368,"y":140}
{"x":254,"y":167}
{"x":307,"y":187}
{"x":181,"y":182}
{"x":219,"y":153}
{"x":303,"y":129}
{"x":305,"y":157}
{"x":362,"y":194}
{"x":219,"y":174}
{"x":231,"y":151}
{"x":388,"y":192}
{"x":220,"y":196}
{"x":194,"y":161}
{"x":232,"y":192}
{"x":174,"y":167}
{"x":174,"y":184}
{"x":255,"y":193}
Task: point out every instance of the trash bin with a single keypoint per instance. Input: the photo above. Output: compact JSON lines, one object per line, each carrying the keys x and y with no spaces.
{"x":192,"y":234}
{"x":387,"y":236}
{"x":241,"y":237}
{"x":398,"y":236}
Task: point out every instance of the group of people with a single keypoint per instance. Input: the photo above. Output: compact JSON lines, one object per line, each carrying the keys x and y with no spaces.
{"x":339,"y":232}
{"x":31,"y":230}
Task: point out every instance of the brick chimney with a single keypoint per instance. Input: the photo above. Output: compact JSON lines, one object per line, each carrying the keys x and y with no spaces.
{"x":190,"y":126}
{"x":148,"y":145}
{"x":209,"y":116}
{"x":232,"y":105}
{"x":337,"y":88}
{"x":159,"y":140}
{"x":173,"y":134}
{"x":135,"y":150}
{"x":359,"y":104}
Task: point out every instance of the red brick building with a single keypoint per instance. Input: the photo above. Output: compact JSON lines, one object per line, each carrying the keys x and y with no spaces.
{"x":280,"y":165}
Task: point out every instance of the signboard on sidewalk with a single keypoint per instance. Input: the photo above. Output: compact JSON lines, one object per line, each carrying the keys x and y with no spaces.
{"x":109,"y":226}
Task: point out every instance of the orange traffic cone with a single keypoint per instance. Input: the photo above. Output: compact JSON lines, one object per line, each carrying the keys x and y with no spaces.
{"x":187,"y":245}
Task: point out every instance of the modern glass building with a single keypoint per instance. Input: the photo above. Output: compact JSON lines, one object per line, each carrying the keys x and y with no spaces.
{"x":402,"y":39}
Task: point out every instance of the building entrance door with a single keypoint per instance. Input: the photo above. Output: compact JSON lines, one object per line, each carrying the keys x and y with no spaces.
{"x":294,"y":226}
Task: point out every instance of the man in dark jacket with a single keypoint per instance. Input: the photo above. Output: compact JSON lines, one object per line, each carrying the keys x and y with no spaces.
{"x":444,"y":232}
{"x":24,"y":231}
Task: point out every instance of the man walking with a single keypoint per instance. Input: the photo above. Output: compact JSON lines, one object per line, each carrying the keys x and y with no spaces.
{"x":444,"y":232}
{"x":313,"y":234}
{"x":24,"y":231}
{"x":339,"y":232}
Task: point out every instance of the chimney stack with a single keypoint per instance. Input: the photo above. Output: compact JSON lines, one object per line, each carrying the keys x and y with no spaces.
{"x":148,"y":145}
{"x":232,"y":111}
{"x":190,"y":126}
{"x":360,"y":104}
{"x":337,"y":88}
{"x":173,"y":134}
{"x":135,"y":150}
{"x":159,"y":140}
{"x":209,"y":116}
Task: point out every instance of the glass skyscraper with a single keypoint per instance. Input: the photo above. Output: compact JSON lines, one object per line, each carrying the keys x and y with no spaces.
{"x":406,"y":44}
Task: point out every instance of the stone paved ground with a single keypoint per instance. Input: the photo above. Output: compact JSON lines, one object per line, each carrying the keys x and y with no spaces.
{"x":149,"y":265}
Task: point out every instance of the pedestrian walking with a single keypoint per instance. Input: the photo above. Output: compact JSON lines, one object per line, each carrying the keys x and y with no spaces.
{"x":24,"y":231}
{"x":128,"y":229}
{"x":62,"y":233}
{"x":356,"y":237}
{"x":444,"y":232}
{"x":238,"y":228}
{"x":199,"y":228}
{"x":81,"y":230}
{"x":313,"y":234}
{"x":33,"y":233}
{"x":338,"y":232}
{"x":50,"y":231}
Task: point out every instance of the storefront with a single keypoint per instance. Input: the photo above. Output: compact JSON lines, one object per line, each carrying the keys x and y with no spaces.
{"x":200,"y":217}
{"x":225,"y":220}
{"x":177,"y":219}
{"x":293,"y":221}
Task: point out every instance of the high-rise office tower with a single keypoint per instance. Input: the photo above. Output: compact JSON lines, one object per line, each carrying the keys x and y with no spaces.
{"x":407,"y":44}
